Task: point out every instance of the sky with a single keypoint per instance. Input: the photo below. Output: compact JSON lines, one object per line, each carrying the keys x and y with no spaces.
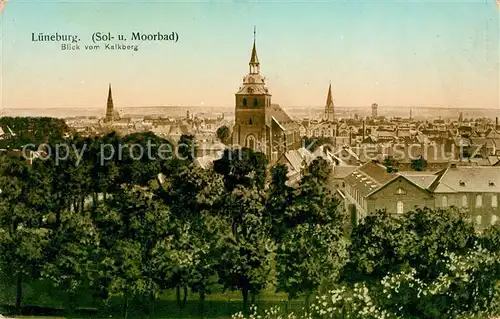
{"x":394,"y":53}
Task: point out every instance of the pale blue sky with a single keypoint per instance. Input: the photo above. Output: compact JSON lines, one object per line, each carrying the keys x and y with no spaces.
{"x":389,"y":52}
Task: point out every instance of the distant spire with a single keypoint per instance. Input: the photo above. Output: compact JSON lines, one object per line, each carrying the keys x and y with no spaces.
{"x":109,"y":106}
{"x":254,"y":60}
{"x":329,"y":99}
{"x":110,"y":96}
{"x":329,"y":111}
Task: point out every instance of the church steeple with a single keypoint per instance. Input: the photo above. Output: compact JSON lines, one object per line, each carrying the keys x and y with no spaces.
{"x":329,"y":107}
{"x":254,"y":60}
{"x":109,"y":106}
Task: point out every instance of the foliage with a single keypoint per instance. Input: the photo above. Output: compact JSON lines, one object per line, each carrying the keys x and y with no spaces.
{"x":186,"y":148}
{"x":32,"y":130}
{"x":419,"y":164}
{"x":243,"y":167}
{"x":224,"y":134}
{"x":310,"y":250}
{"x":247,"y":250}
{"x":391,"y":164}
{"x":463,"y":290}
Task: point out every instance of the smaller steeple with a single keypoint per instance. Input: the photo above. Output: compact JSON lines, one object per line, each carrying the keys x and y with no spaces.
{"x":254,"y":60}
{"x":329,"y":99}
{"x":329,"y":107}
{"x":109,"y":106}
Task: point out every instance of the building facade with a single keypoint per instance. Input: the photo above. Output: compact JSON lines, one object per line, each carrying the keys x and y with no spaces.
{"x":475,"y":189}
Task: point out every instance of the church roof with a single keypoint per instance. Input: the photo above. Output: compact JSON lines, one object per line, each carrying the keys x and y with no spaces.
{"x":253,"y":89}
{"x":275,"y":111}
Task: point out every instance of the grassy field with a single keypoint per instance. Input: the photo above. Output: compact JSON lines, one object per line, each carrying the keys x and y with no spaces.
{"x":44,"y":301}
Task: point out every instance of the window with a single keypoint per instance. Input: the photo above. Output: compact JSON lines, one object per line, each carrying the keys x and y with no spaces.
{"x":250,"y":142}
{"x":494,"y":219}
{"x":400,"y":207}
{"x":444,"y":201}
{"x":250,"y":90}
{"x":251,"y":80}
{"x":479,"y":201}
{"x":494,"y":200}
{"x":255,"y":102}
{"x":479,"y":219}
{"x":244,"y":102}
{"x":464,"y":201}
{"x":250,"y":121}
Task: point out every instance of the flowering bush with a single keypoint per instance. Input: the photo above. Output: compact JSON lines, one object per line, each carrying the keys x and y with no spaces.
{"x":467,"y":286}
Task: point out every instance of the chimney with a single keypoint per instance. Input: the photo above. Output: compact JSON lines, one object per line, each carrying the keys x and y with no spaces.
{"x":363,"y":130}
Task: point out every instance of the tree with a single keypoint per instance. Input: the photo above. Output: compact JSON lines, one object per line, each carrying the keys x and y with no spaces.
{"x":104,"y":168}
{"x":247,"y":249}
{"x":312,"y":250}
{"x":69,"y":255}
{"x":279,"y":197}
{"x":491,"y":238}
{"x":243,"y":167}
{"x":142,"y":158}
{"x":194,"y":197}
{"x":419,"y":164}
{"x":129,"y":225}
{"x":32,"y":130}
{"x":391,"y":165}
{"x":417,"y":261}
{"x":428,"y":234}
{"x":372,"y":251}
{"x":186,"y":148}
{"x":23,"y":236}
{"x":223,"y":134}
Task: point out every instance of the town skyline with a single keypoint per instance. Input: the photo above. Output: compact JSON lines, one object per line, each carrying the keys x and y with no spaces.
{"x":450,"y":62}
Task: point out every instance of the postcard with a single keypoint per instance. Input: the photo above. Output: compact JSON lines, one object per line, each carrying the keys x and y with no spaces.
{"x":250,"y":159}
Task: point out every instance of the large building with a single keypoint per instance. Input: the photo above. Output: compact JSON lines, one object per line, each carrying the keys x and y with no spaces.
{"x":476,"y":189}
{"x":259,"y":124}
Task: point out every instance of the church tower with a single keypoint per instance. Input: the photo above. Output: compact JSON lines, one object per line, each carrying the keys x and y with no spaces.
{"x":109,"y":107}
{"x":329,"y":107}
{"x":252,"y":99}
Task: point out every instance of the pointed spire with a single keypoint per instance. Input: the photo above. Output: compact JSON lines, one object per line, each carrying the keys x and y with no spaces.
{"x":254,"y":60}
{"x":329,"y":111}
{"x":109,"y":106}
{"x":110,"y":96}
{"x":329,"y":99}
